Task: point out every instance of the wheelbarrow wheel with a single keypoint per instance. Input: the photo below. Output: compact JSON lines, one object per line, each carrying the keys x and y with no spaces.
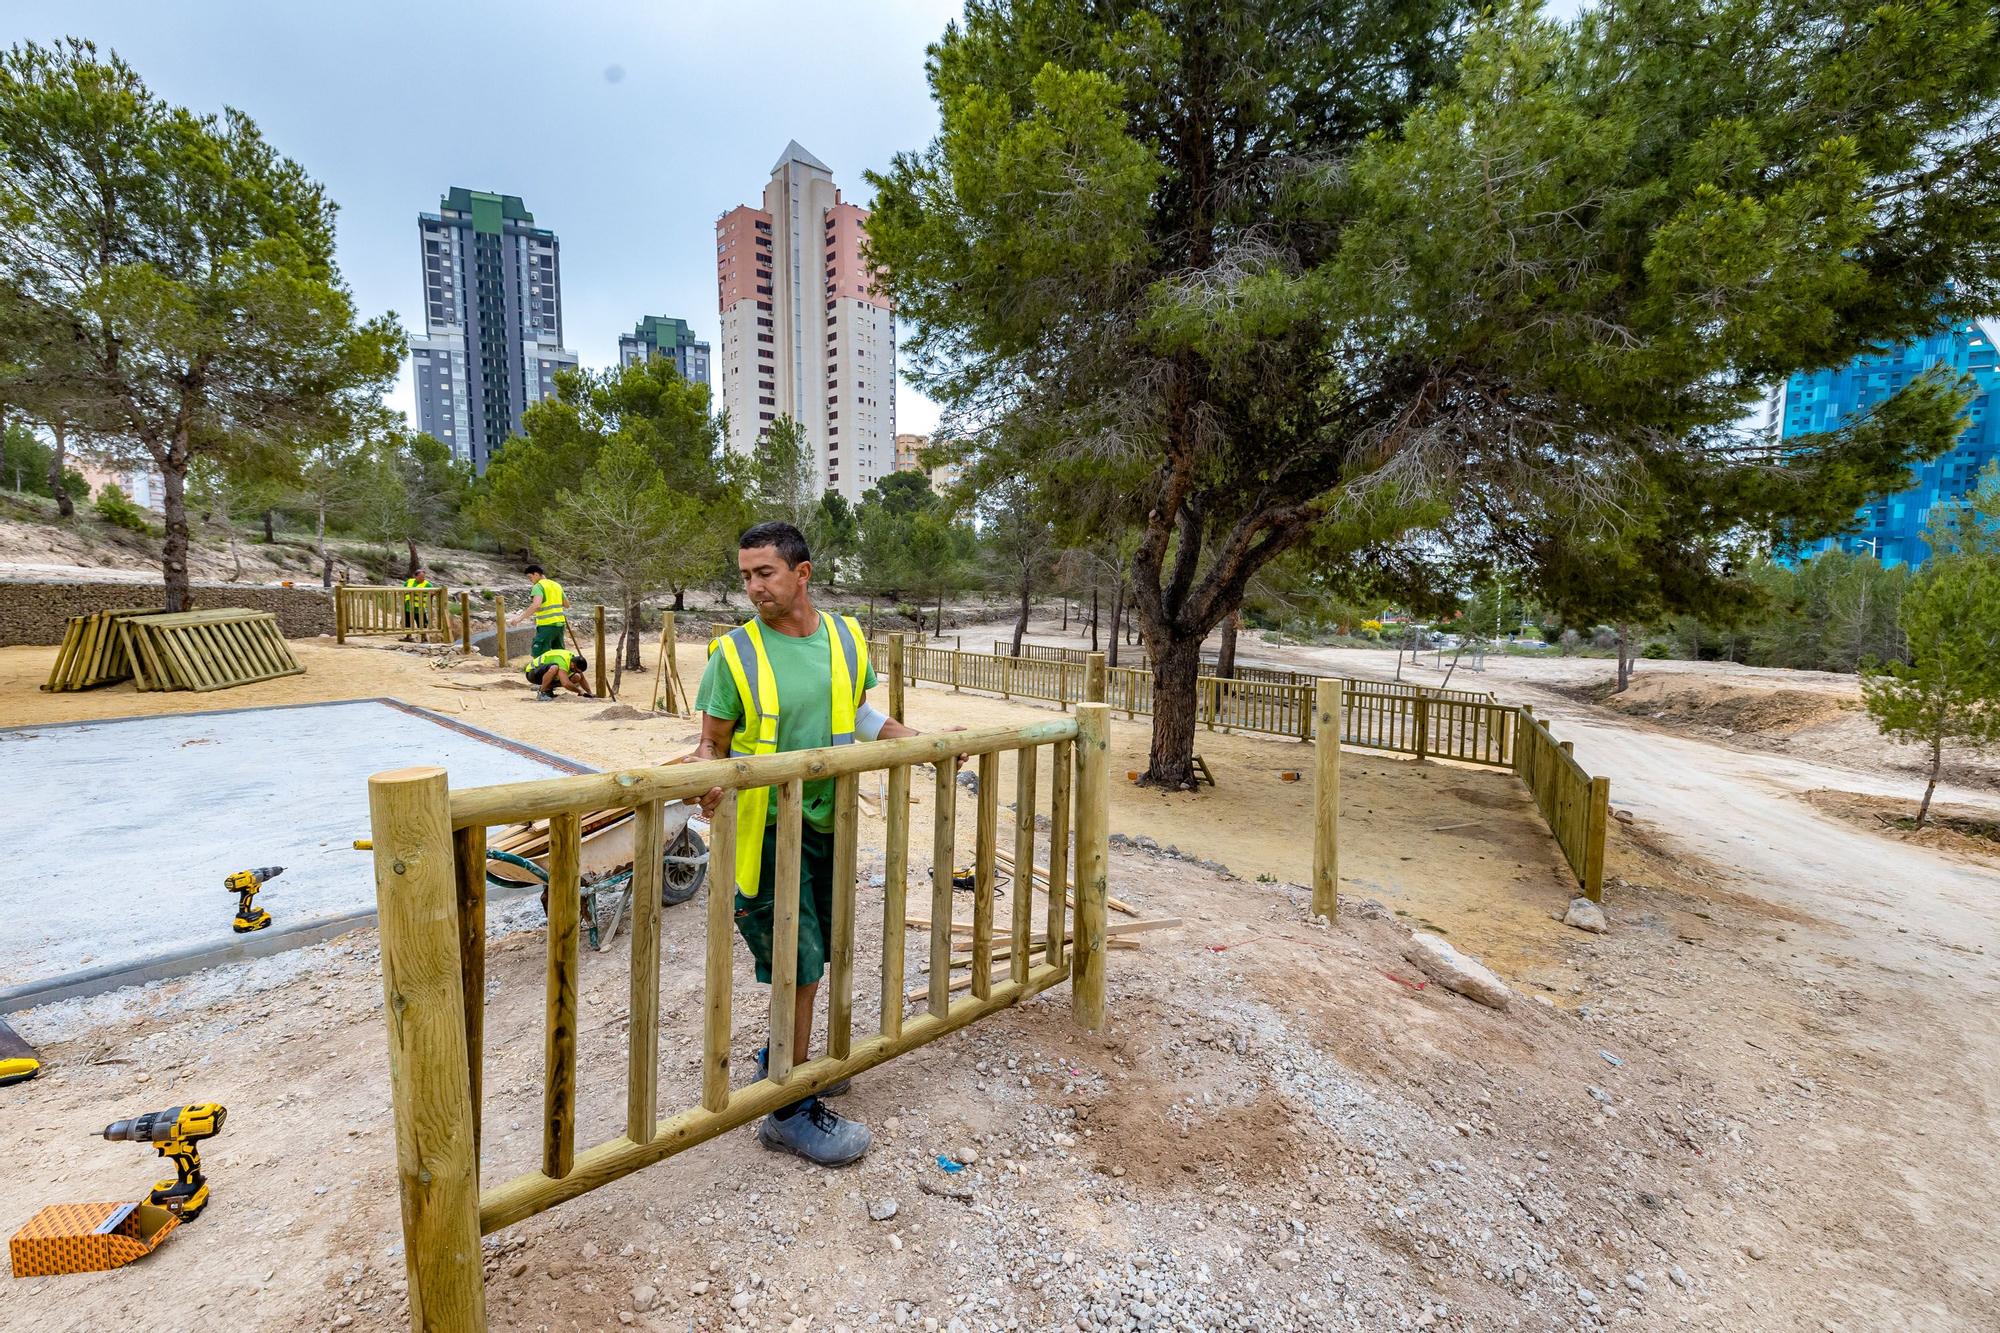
{"x":680,"y":882}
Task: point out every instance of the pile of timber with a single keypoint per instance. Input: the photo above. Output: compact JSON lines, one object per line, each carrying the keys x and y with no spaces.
{"x":93,"y":651}
{"x":206,"y":650}
{"x":531,"y":841}
{"x":1117,"y":934}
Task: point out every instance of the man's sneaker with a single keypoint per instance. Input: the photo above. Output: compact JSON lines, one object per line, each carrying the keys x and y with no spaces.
{"x":840,"y":1089}
{"x":816,"y":1132}
{"x":544,"y":697}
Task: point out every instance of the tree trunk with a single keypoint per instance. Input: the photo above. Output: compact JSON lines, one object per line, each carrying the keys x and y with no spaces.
{"x":174,"y":552}
{"x":65,"y":505}
{"x":1225,"y":660}
{"x":1937,"y":763}
{"x":1117,"y":620}
{"x":1021,"y":621}
{"x":412,"y":571}
{"x":680,"y":599}
{"x":938,"y":629}
{"x":1176,"y":665}
{"x":1093,"y":616}
{"x":630,"y":635}
{"x":1065,"y":613}
{"x":270,"y":536}
{"x":1624,"y":659}
{"x":325,"y":556}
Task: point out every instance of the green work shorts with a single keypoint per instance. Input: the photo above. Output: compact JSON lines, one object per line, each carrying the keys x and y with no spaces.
{"x":547,"y":637}
{"x":753,"y":915}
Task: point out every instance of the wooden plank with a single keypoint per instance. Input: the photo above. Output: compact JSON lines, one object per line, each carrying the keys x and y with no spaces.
{"x":895,"y":890}
{"x":944,"y":842}
{"x":985,"y":836}
{"x":468,"y":861}
{"x":1024,"y":855}
{"x":1597,"y":809}
{"x":500,"y":630}
{"x":642,"y":1038}
{"x":565,"y":910}
{"x":840,"y":951}
{"x":715,"y":1030}
{"x":896,"y":650}
{"x":423,"y":1004}
{"x":789,"y":814}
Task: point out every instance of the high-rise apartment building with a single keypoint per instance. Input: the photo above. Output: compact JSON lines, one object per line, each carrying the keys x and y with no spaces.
{"x":657,"y":337}
{"x":805,"y":332}
{"x":492,"y":339}
{"x":909,"y":458}
{"x":1890,"y":527}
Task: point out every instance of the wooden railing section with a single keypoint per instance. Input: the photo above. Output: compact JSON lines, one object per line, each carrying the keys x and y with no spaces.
{"x":1575,"y":805}
{"x":430,"y":854}
{"x":363,"y":610}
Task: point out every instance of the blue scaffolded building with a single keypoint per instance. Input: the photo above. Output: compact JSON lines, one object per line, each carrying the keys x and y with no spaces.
{"x":1891,"y":528}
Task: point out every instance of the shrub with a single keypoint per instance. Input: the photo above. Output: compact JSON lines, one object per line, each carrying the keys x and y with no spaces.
{"x":1655,"y":651}
{"x":113,"y":506}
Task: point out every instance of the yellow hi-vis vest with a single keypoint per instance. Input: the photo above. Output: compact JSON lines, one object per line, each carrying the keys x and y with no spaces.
{"x":411,"y":603}
{"x":551,"y":610}
{"x":757,"y":686}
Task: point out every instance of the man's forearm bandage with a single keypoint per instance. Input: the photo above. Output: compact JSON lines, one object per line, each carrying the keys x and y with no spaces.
{"x":869,"y":721}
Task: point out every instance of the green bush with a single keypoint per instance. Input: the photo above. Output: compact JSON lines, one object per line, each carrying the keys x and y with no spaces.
{"x":115,"y":508}
{"x":1655,"y":651}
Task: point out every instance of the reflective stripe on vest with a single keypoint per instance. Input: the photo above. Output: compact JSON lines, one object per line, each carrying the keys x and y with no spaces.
{"x":749,"y":666}
{"x":550,"y":612}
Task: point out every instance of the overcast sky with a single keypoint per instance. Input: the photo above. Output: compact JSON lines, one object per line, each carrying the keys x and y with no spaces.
{"x":625,"y":126}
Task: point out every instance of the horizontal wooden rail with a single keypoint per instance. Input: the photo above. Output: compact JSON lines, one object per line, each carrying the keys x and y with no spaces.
{"x":514,"y":802}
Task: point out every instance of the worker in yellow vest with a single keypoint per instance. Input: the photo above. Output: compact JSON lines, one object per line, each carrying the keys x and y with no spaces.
{"x":545,"y":607}
{"x":558,"y":666}
{"x":794,"y":678}
{"x":417,"y":609}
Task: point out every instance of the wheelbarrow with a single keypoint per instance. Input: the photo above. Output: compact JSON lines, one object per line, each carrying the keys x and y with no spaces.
{"x":519,"y":855}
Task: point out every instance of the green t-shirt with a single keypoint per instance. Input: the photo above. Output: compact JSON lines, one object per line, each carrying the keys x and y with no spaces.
{"x":805,"y":711}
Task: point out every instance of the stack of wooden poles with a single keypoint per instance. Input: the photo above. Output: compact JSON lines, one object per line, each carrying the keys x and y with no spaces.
{"x":93,"y":651}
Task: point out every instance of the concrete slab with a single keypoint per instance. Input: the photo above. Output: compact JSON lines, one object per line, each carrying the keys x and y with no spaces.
{"x":127,"y":828}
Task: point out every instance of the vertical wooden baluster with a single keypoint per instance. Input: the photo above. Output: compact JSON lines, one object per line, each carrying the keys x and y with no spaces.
{"x":1024,"y":860}
{"x":897,"y":649}
{"x":500,"y":630}
{"x":465,"y":622}
{"x":895,"y":890}
{"x":642,"y":1071}
{"x":785,"y":929}
{"x":721,"y":955}
{"x":944,"y":841}
{"x":469,"y":869}
{"x":840,"y":960}
{"x":339,"y":613}
{"x":1093,"y":859}
{"x":565,"y":908}
{"x":985,"y":839}
{"x":1061,"y":774}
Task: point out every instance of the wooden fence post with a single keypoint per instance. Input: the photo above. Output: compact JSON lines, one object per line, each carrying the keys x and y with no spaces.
{"x":1093,"y":858}
{"x":597,"y":650}
{"x":1326,"y":799}
{"x":1093,"y":678}
{"x":500,"y":630}
{"x":340,"y":613}
{"x":465,"y":621}
{"x":1007,"y":679}
{"x":1306,"y":704}
{"x":437,"y":1165}
{"x":896,"y":645}
{"x":954,"y":671}
{"x":1593,"y":839}
{"x":1423,"y":708}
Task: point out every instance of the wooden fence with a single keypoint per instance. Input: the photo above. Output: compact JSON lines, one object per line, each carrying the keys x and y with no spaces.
{"x":359,"y":611}
{"x":430,"y":859}
{"x":1575,"y":805}
{"x":1043,"y":652}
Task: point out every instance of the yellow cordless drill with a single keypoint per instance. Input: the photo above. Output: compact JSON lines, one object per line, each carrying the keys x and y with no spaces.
{"x":244,"y":884}
{"x":174,"y":1133}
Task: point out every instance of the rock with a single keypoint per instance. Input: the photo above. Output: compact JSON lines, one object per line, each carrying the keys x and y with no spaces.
{"x":1586,"y":915}
{"x":895,"y":1242}
{"x":966,"y":1156}
{"x":741,"y":1301}
{"x":881,"y":1210}
{"x":969,"y":781}
{"x":1285,"y":1260}
{"x":644,"y":1297}
{"x":1678,"y":1276}
{"x":588,"y":1251}
{"x":1754,"y":1250}
{"x":698,"y":1288}
{"x":1586,"y":1295}
{"x":1145,"y":844}
{"x":1456,"y":971}
{"x":1623,"y":816}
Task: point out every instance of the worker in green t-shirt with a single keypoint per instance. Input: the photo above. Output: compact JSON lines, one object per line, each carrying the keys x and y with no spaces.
{"x":794,"y":678}
{"x":547,"y":609}
{"x":558,"y":666}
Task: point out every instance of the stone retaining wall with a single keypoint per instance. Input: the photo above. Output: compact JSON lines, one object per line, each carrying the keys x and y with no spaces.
{"x":33,"y":611}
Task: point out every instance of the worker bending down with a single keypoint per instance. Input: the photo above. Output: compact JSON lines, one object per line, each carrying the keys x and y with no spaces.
{"x":793,"y":678}
{"x":558,"y":667}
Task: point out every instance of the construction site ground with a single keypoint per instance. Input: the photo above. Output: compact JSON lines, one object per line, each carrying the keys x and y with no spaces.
{"x":1765,"y":1100}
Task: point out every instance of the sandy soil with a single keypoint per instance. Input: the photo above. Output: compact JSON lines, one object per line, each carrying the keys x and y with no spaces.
{"x":1738,"y":1111}
{"x":1972,"y":832}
